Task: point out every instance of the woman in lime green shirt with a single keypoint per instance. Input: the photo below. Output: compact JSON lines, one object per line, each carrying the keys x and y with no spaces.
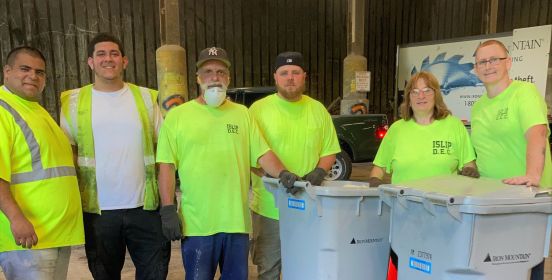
{"x":428,"y":141}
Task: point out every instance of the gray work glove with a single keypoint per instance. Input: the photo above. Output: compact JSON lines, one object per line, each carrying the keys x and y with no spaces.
{"x":170,"y":222}
{"x":470,"y":172}
{"x":375,"y":182}
{"x":316,"y":176}
{"x":288,"y":179}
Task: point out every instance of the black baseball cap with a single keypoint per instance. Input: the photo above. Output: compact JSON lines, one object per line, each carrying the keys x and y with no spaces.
{"x":289,"y":58}
{"x":213,"y":53}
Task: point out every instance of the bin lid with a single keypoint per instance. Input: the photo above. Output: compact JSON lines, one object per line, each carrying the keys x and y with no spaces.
{"x":470,"y":193}
{"x":343,"y":188}
{"x":328,"y":188}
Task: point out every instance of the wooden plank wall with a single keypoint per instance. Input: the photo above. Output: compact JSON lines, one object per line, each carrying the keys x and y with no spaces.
{"x":253,"y":32}
{"x":514,"y":14}
{"x":61,"y":29}
{"x":395,"y":22}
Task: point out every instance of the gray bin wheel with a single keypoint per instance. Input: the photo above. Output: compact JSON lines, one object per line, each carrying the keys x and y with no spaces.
{"x":341,"y":169}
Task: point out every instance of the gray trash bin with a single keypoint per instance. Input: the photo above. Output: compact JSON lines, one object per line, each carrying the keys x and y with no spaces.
{"x":455,"y":227}
{"x":335,"y":231}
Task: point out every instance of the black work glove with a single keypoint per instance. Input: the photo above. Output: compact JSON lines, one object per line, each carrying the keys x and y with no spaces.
{"x":170,"y":222}
{"x":375,"y":182}
{"x":470,"y":172}
{"x":288,"y":179}
{"x":316,"y":176}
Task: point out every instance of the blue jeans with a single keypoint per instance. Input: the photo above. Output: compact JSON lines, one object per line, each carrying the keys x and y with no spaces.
{"x":41,"y":264}
{"x":202,"y":254}
{"x":110,"y":234}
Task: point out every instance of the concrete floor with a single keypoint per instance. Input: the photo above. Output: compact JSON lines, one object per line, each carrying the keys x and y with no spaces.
{"x":78,"y":269}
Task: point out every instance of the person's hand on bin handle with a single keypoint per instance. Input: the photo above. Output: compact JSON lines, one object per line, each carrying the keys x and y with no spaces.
{"x":288,"y":179}
{"x":470,"y":172}
{"x":316,"y":176}
{"x":375,"y":182}
{"x":170,"y":223}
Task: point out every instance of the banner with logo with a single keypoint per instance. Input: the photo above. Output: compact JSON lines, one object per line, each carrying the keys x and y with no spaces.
{"x":530,"y":50}
{"x":452,"y":62}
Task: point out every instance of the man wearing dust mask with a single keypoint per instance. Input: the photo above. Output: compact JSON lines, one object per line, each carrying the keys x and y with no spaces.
{"x":213,"y":142}
{"x":213,"y":76}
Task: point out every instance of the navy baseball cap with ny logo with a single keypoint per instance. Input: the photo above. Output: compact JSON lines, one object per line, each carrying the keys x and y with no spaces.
{"x":213,"y":53}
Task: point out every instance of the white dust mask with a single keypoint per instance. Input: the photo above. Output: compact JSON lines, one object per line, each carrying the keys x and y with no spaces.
{"x":214,"y":96}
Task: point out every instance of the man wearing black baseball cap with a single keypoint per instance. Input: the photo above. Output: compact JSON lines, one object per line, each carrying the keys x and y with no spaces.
{"x":213,"y":142}
{"x":301,"y":133}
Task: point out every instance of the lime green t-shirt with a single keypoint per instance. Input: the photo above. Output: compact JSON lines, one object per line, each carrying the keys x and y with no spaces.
{"x":213,"y":149}
{"x":299,"y":133}
{"x":410,"y":151}
{"x":52,"y":205}
{"x":499,"y":125}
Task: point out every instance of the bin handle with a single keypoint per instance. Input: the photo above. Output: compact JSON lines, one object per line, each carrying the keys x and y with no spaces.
{"x":386,"y":193}
{"x":428,"y":206}
{"x":438,"y":198}
{"x":384,"y":197}
{"x":359,"y":201}
{"x":543,"y":193}
{"x":274,"y":184}
{"x":432,"y":198}
{"x":298,"y":184}
{"x":310,"y":192}
{"x":271,"y":180}
{"x":276,"y":181}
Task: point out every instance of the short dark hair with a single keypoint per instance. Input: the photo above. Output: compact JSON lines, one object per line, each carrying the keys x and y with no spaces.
{"x":104,"y":37}
{"x":32,"y":51}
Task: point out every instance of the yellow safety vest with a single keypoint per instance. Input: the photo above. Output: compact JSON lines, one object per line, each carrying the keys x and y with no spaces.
{"x":76,"y":105}
{"x":38,"y":166}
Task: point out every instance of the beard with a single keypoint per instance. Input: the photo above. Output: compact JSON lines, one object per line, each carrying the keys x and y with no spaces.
{"x":291,"y":94}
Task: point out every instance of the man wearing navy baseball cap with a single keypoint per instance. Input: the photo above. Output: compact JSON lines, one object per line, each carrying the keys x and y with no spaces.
{"x":300,"y":131}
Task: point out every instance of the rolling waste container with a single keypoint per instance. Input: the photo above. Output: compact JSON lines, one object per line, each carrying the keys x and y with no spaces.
{"x":336,"y":231}
{"x":455,"y":227}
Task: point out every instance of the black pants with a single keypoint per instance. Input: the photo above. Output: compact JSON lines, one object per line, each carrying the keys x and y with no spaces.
{"x":109,"y":235}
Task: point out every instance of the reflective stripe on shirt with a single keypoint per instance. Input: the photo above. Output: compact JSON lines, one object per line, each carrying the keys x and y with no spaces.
{"x":38,"y":172}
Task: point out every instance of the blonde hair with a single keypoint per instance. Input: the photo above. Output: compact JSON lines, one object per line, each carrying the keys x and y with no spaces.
{"x":440,"y":110}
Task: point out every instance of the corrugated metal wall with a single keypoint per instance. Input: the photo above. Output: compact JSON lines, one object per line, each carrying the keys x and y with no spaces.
{"x":254,"y":32}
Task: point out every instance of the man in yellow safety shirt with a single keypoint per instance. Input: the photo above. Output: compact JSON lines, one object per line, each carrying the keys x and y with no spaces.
{"x":40,"y":209}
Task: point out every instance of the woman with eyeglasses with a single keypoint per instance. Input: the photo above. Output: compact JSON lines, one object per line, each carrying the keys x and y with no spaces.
{"x":428,"y":141}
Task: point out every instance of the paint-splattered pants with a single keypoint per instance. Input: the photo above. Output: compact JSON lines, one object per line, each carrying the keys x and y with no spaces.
{"x":203,"y":254}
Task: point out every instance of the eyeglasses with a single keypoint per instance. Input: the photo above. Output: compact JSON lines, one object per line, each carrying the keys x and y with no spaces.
{"x":426,"y":91}
{"x":219,"y":73}
{"x":491,"y":61}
